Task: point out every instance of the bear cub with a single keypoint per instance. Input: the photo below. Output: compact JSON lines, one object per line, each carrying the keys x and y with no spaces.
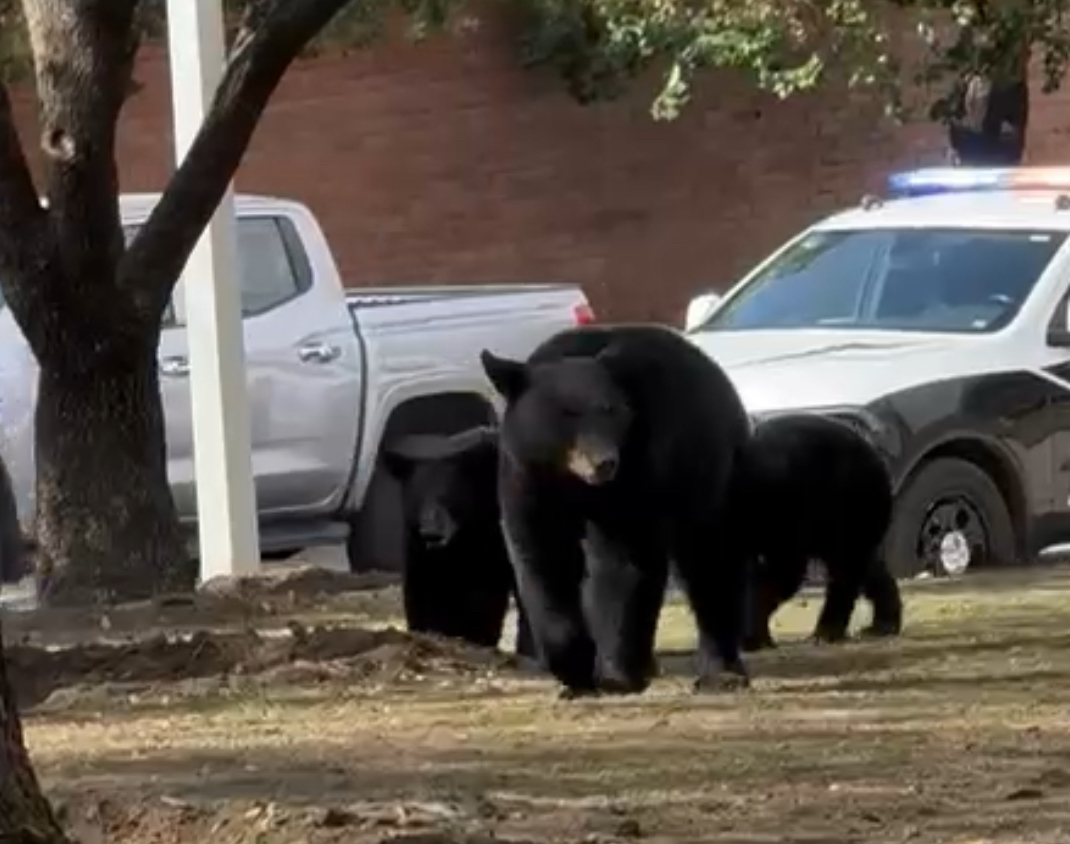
{"x":814,"y":488}
{"x":457,"y":578}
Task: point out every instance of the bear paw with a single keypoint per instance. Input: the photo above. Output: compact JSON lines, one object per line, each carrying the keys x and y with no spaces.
{"x":614,"y":679}
{"x":575,"y":693}
{"x":621,"y":685}
{"x":750,"y":644}
{"x":881,"y":630}
{"x":722,"y":681}
{"x":827,"y":636}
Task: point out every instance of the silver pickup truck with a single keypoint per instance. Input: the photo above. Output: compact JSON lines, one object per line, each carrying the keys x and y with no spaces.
{"x":332,"y":376}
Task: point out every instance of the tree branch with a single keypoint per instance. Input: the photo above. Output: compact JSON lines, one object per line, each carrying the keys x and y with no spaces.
{"x":271,"y":36}
{"x":21,"y":214}
{"x":23,"y":234}
{"x":83,"y":53}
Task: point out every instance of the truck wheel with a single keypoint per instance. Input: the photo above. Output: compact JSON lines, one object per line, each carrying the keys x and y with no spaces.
{"x":951,"y":517}
{"x":377,"y":533}
{"x":278,"y":556}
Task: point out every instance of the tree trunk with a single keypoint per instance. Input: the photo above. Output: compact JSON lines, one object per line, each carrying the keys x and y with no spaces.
{"x":25,"y":815}
{"x":107,"y":528}
{"x":90,"y":308}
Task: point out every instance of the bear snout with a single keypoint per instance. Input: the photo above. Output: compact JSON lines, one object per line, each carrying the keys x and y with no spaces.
{"x":436,"y":527}
{"x":593,"y":462}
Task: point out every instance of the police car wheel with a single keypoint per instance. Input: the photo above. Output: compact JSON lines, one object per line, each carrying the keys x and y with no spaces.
{"x":950,"y":518}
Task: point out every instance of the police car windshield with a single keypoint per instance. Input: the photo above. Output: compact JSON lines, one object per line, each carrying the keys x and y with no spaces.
{"x":942,"y":280}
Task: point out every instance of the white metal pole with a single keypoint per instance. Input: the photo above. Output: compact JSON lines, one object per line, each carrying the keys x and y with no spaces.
{"x":226,"y":497}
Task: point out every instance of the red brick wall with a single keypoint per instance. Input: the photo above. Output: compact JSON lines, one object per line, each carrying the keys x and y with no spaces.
{"x":447,"y":162}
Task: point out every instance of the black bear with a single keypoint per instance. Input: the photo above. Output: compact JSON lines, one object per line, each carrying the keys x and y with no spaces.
{"x":624,"y":437}
{"x":457,"y":578}
{"x":812,"y":487}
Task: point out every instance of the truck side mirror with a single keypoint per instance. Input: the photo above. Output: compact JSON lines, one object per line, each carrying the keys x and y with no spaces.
{"x":699,"y":309}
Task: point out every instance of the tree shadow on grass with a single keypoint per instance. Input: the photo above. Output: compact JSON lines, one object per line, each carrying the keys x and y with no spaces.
{"x":656,"y":765}
{"x":802,"y":660}
{"x":754,"y":781}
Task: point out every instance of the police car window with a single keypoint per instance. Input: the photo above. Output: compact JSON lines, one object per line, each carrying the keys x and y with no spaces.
{"x":943,"y":280}
{"x":821,"y":280}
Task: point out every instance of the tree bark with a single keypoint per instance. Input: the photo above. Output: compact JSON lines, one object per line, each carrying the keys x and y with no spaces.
{"x":91,"y":309}
{"x":107,"y":528}
{"x":106,"y":523}
{"x":272,"y":34}
{"x":993,"y":133}
{"x":25,"y":814}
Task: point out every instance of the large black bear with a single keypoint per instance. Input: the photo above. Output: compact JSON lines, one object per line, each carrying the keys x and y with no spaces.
{"x":457,"y":578}
{"x":624,"y":436}
{"x":813,"y":488}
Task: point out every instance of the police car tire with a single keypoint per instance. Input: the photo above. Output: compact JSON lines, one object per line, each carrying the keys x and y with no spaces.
{"x":942,"y":478}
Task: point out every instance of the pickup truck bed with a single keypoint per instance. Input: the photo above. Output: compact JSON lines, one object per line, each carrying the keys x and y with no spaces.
{"x":421,"y":349}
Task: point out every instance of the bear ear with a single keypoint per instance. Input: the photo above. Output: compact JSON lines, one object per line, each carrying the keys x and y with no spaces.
{"x":404,"y":453}
{"x":397,"y":462}
{"x":509,"y":377}
{"x":479,"y":437}
{"x":620,"y":365}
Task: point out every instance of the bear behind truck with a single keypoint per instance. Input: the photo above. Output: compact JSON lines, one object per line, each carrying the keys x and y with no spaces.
{"x":457,"y":577}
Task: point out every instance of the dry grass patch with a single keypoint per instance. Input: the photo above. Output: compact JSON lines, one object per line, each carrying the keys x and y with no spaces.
{"x":958,"y":732}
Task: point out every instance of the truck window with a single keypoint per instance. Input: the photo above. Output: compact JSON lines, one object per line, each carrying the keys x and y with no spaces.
{"x":272,"y":264}
{"x":268,"y":272}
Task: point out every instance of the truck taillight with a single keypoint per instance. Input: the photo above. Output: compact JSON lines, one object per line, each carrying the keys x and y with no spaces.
{"x":583,"y":314}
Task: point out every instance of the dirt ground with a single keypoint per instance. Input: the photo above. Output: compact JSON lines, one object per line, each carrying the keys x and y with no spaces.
{"x":291,"y":712}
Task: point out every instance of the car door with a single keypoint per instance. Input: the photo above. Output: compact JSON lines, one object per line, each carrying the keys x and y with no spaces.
{"x":1055,"y":363}
{"x":304,"y":360}
{"x":178,"y":414}
{"x":178,"y":409}
{"x":302,"y":377}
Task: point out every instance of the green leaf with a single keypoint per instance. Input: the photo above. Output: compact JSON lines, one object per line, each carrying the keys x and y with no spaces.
{"x":599,"y":47}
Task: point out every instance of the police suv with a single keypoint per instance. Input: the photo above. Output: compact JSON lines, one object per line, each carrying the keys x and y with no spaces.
{"x":935,"y":321}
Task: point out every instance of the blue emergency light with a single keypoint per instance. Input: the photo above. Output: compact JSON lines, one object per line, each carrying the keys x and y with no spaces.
{"x":934,"y":180}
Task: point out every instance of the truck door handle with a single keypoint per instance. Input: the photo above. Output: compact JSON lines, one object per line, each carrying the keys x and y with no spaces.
{"x":175,"y":367}
{"x":318,"y":352}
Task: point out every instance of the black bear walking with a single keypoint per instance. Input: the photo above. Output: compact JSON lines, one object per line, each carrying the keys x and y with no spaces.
{"x":625,"y":437}
{"x":813,"y":488}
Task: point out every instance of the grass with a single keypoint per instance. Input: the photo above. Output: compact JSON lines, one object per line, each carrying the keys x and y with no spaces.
{"x":958,"y":732}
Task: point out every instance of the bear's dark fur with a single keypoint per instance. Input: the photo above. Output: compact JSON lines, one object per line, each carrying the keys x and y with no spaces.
{"x":625,"y":436}
{"x":457,"y":578}
{"x":813,"y":488}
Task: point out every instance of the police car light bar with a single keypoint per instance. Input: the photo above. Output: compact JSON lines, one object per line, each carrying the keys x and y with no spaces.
{"x":933,"y":180}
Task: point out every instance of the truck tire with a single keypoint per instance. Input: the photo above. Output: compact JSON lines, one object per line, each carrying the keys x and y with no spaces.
{"x":377,"y":532}
{"x":950,"y":518}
